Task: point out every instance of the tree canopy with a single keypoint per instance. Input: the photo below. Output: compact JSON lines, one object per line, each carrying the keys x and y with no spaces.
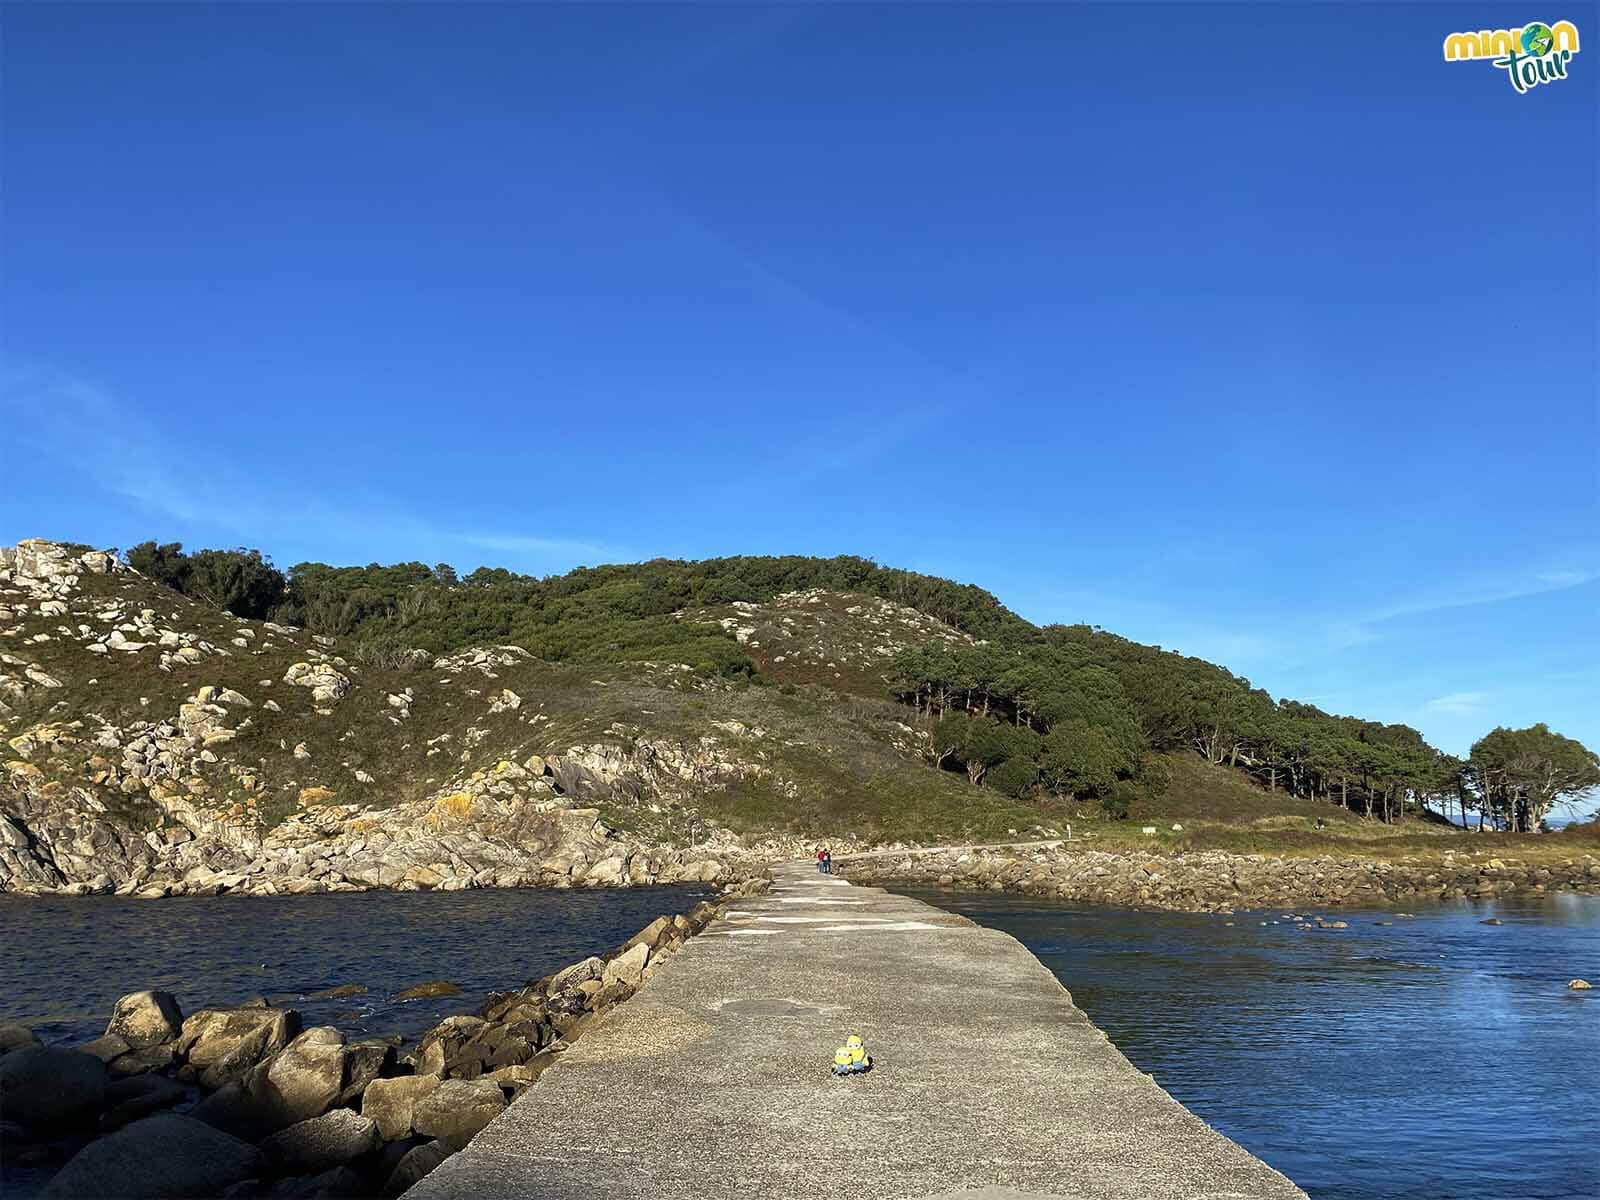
{"x":244,"y":582}
{"x":1521,"y":774}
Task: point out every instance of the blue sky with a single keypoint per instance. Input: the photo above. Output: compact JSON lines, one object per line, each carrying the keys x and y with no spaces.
{"x":1256,"y":331}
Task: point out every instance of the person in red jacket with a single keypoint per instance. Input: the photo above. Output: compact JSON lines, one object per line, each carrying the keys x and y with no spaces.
{"x":822,"y":861}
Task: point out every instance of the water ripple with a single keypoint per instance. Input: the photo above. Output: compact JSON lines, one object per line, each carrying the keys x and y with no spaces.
{"x":1432,"y":1059}
{"x":65,"y":961}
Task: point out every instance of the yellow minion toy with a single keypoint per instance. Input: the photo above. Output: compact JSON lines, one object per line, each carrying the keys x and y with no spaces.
{"x":852,"y":1057}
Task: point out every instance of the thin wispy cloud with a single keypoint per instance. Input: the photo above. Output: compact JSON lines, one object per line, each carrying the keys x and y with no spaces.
{"x":96,"y":439}
{"x":1565,"y":579}
{"x":87,"y":432}
{"x":1467,"y":592}
{"x":855,"y":438}
{"x":103,"y":442}
{"x":1458,"y":702}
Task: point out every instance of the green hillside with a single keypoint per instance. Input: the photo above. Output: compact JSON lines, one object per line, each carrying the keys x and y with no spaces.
{"x":1057,"y":720}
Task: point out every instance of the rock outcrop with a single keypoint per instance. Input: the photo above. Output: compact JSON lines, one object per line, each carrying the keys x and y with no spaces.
{"x":200,"y":754}
{"x":457,"y":1109}
{"x":146,"y":1019}
{"x":391,"y":1103}
{"x":322,"y":1143}
{"x":159,"y":1157}
{"x":221,"y":1045}
{"x":49,"y":1091}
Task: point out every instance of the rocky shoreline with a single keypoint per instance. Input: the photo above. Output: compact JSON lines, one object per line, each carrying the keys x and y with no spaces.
{"x":244,"y":1103}
{"x":1215,"y":881}
{"x":589,"y":857}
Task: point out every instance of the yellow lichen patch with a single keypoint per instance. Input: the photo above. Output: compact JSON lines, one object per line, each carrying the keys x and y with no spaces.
{"x":455,"y":807}
{"x":18,"y":767}
{"x":315,"y":795}
{"x":25,"y":743}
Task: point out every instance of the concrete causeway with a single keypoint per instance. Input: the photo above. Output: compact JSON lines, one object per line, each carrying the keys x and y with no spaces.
{"x":713,"y":1080}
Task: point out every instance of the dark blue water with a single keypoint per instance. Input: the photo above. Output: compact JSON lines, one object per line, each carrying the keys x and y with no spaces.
{"x":64,"y":961}
{"x":1433,"y":1059}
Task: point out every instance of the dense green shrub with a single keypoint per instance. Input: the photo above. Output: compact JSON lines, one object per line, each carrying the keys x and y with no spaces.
{"x":244,"y":582}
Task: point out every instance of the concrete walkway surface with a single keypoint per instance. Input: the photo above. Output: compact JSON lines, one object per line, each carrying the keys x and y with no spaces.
{"x":713,"y":1081}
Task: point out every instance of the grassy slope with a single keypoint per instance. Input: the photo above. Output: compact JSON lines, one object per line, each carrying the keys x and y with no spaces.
{"x":828,"y":649}
{"x":834,"y":764}
{"x":836,"y":759}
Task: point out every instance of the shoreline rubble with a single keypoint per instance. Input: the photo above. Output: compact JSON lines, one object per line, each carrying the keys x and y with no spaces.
{"x":1218,"y":881}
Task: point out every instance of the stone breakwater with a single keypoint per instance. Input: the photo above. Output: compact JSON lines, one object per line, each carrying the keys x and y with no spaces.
{"x":279,"y":1111}
{"x":1212,"y":881}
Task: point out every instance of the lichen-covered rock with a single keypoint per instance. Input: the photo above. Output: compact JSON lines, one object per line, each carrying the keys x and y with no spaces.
{"x":457,"y":1109}
{"x":244,"y":1114}
{"x":15,"y":1036}
{"x":440,"y":1044}
{"x":328,"y":686}
{"x":364,"y":1063}
{"x":608,"y":872}
{"x":223,"y":1044}
{"x":628,"y":967}
{"x":414,"y":1166}
{"x":305,"y":1078}
{"x":145,"y":1019}
{"x":48,"y":1090}
{"x":321,"y":1143}
{"x":158,"y":1158}
{"x":128,"y":1100}
{"x":429,"y":991}
{"x":652,"y":934}
{"x":391,"y":1102}
{"x":174,"y":802}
